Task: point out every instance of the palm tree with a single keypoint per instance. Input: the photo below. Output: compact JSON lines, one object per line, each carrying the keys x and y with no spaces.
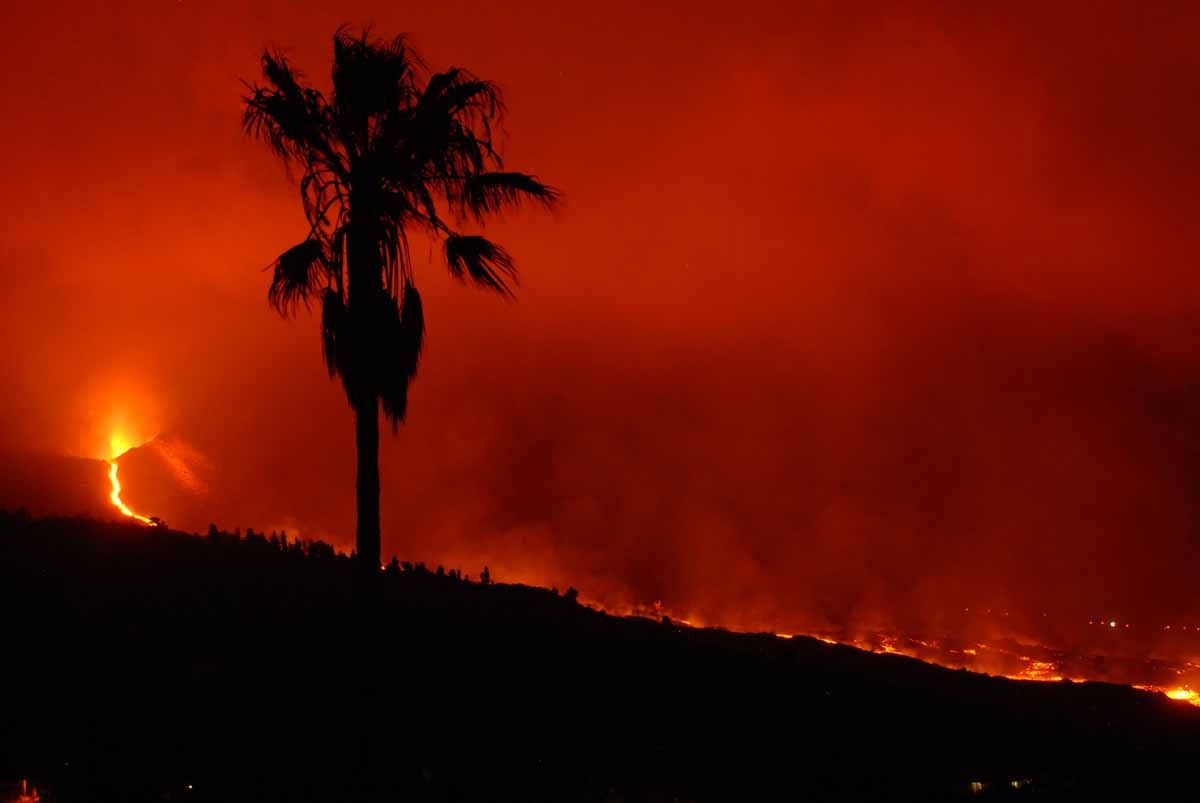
{"x":392,"y":152}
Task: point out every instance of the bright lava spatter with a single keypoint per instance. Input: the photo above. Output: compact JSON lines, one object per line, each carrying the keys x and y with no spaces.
{"x":119,"y":447}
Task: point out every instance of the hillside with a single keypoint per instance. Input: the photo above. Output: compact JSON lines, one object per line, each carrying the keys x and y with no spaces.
{"x":147,"y":664}
{"x":51,"y":483}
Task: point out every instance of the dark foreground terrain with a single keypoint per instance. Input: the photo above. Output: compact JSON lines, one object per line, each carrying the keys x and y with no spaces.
{"x":146,"y":664}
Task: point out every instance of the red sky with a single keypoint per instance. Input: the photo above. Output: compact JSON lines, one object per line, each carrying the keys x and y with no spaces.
{"x":847,"y":311}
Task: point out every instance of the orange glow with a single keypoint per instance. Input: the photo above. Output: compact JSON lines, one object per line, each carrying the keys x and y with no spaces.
{"x":1181,"y":693}
{"x":28,"y":794}
{"x":1184,"y":694}
{"x":1033,"y":661}
{"x":932,"y":398}
{"x":119,"y":445}
{"x":115,"y":496}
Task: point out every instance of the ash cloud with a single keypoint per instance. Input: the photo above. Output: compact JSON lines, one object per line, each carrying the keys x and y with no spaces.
{"x":851,"y":317}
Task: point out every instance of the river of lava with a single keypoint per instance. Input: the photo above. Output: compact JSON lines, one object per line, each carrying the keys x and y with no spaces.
{"x":115,"y":495}
{"x":119,"y":446}
{"x":1009,"y":657}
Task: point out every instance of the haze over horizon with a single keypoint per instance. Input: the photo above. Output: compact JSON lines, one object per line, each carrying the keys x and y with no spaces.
{"x":847,"y":314}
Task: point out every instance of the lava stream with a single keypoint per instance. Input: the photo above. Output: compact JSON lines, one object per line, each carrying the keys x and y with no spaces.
{"x":119,"y":445}
{"x":115,"y":496}
{"x":1016,"y":661}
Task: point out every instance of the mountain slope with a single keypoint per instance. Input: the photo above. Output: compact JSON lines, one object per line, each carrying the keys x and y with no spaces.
{"x":54,"y":484}
{"x":147,"y":660}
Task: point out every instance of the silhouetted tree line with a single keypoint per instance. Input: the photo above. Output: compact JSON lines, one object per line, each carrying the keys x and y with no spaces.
{"x":277,"y":541}
{"x":142,"y":660}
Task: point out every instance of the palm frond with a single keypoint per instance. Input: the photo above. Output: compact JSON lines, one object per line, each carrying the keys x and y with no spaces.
{"x":457,"y":90}
{"x":448,"y":132}
{"x":288,"y":116}
{"x":335,"y":345}
{"x":370,"y":78}
{"x":412,"y":330}
{"x":487,"y":194}
{"x":470,"y":256}
{"x":298,"y":274}
{"x":400,"y":354}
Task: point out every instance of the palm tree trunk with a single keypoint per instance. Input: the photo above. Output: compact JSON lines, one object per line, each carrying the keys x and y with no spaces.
{"x":363,"y":285}
{"x":366,"y":432}
{"x":368,"y":724}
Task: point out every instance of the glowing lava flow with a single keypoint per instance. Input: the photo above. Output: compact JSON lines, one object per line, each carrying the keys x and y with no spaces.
{"x":115,"y":496}
{"x":1027,"y":661}
{"x":119,"y":447}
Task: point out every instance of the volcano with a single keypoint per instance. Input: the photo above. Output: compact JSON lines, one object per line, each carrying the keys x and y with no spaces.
{"x":164,"y":475}
{"x":167,"y":477}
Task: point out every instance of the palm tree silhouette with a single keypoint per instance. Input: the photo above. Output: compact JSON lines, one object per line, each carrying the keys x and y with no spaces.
{"x":392,"y":152}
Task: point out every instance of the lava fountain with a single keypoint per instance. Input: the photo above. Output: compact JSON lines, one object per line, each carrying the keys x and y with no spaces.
{"x":119,"y":446}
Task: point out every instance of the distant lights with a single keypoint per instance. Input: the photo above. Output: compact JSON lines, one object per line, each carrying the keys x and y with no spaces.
{"x":1112,"y":624}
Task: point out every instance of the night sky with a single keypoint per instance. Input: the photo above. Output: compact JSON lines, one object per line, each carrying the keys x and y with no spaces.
{"x":847,"y":315}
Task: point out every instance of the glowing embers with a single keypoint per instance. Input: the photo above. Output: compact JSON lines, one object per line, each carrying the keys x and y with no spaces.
{"x":1038,"y":670}
{"x":27,"y":794}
